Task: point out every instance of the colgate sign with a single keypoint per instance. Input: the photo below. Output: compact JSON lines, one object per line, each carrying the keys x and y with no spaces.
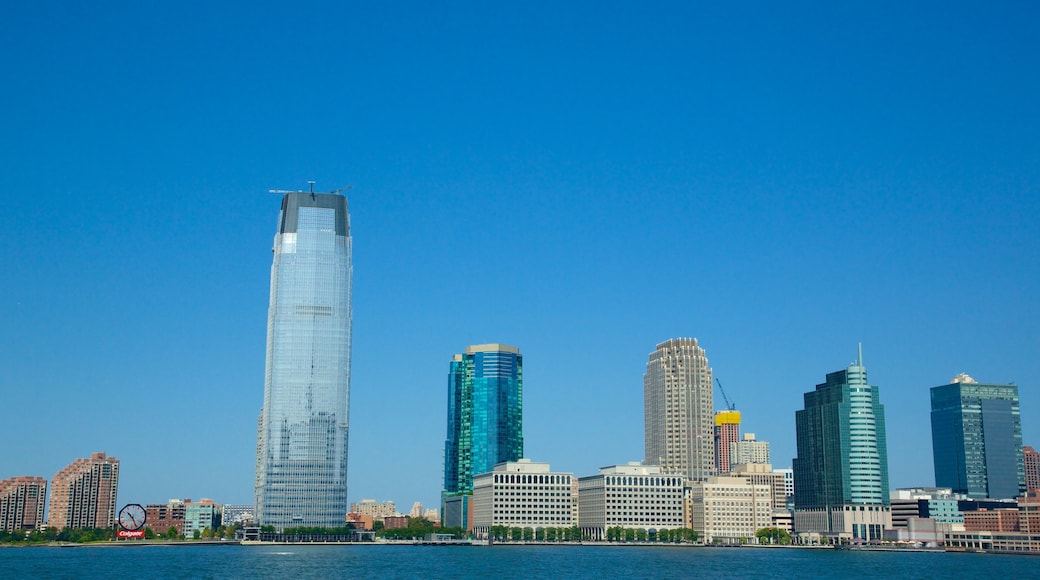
{"x":130,"y":533}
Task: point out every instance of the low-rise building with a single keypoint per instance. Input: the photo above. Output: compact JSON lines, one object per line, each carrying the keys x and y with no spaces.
{"x":377,"y":509}
{"x":986,"y":520}
{"x":730,"y":509}
{"x":523,"y":494}
{"x":763,"y":474}
{"x":160,"y":517}
{"x":236,"y":514}
{"x":200,"y":516}
{"x":359,"y":521}
{"x":22,"y":500}
{"x":632,"y":496}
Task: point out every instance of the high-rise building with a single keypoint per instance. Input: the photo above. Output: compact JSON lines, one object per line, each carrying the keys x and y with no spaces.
{"x":1031,"y":465}
{"x":83,"y":494}
{"x":748,"y":450}
{"x":977,"y":439}
{"x":678,"y":410}
{"x":485,"y":421}
{"x":301,"y":467}
{"x":841,"y":472}
{"x":21,"y":503}
{"x":727,"y":432}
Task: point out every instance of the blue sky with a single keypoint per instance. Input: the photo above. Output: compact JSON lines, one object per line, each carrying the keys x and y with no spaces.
{"x":581,"y":181}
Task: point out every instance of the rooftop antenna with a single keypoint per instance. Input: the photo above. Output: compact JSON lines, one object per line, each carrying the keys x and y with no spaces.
{"x":859,"y":357}
{"x":311,"y":183}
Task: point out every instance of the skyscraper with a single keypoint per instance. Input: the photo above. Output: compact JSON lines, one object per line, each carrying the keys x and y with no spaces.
{"x":841,"y":472}
{"x":485,"y":421}
{"x":727,"y":432}
{"x":977,"y":439}
{"x":678,"y":410}
{"x":83,"y":494}
{"x":301,"y":466}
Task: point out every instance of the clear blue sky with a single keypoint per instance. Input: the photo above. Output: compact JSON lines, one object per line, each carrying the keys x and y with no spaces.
{"x":779,"y":180}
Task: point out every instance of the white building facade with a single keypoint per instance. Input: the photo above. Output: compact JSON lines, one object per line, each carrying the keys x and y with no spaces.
{"x":730,"y":509}
{"x":629,"y":496}
{"x":523,"y":494}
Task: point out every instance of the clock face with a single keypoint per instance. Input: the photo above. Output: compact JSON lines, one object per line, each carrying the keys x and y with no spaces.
{"x":131,"y":517}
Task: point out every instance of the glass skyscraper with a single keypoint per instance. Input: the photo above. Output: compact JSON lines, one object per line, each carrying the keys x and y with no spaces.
{"x":977,"y":439}
{"x":841,"y":472}
{"x":301,"y":463}
{"x":485,"y":420}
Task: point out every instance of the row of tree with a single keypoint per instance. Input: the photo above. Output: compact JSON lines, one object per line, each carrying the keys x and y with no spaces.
{"x":619,"y":534}
{"x":76,"y":535}
{"x":85,"y":535}
{"x":417,"y":529}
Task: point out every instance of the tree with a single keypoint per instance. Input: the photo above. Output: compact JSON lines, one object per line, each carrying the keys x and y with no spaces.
{"x":172,"y":533}
{"x":196,"y":534}
{"x":773,"y":536}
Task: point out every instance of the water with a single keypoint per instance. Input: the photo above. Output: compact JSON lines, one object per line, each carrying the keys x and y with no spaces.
{"x":371,"y":561}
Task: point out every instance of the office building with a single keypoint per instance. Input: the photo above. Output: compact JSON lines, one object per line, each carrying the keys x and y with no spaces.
{"x":678,"y":410}
{"x":730,"y":509}
{"x":522,"y":494}
{"x":788,"y":474}
{"x":763,"y":474}
{"x":83,"y":494}
{"x":938,"y":504}
{"x":727,"y":432}
{"x":977,"y":439}
{"x":630,"y":496}
{"x":841,"y":472}
{"x":1031,"y":466}
{"x":301,"y":468}
{"x":749,"y":450}
{"x":22,"y":500}
{"x":485,"y":422}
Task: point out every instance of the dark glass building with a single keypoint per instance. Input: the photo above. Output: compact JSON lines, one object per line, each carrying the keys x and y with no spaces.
{"x":977,"y":439}
{"x":841,"y":472}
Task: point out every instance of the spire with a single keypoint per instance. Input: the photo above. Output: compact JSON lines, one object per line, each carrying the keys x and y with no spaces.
{"x":859,"y":357}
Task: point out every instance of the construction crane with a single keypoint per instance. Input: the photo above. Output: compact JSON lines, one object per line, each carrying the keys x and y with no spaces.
{"x":729,"y":406}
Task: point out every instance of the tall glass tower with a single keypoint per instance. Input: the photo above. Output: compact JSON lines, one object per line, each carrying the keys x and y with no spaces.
{"x":485,"y":420}
{"x":977,"y":439}
{"x":301,"y":451}
{"x":841,"y":472}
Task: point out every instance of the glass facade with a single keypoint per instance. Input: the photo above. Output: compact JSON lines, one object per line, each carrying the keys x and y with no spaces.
{"x":485,"y":413}
{"x":301,"y":466}
{"x":977,"y":439}
{"x":842,"y":449}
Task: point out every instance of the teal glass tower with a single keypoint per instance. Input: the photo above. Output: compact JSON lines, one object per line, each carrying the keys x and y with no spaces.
{"x":301,"y":463}
{"x":841,"y":472}
{"x":977,"y":439}
{"x":485,"y":420}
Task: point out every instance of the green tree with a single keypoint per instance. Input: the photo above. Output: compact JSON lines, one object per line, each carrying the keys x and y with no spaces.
{"x":172,"y":533}
{"x":196,"y":534}
{"x":773,"y":536}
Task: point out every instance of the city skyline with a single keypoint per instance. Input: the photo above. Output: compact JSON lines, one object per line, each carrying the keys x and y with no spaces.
{"x":583,"y":182}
